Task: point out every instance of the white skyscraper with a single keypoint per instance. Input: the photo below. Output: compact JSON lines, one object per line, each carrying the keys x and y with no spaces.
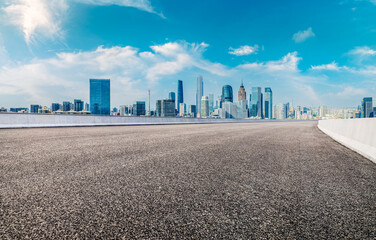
{"x":199,"y":93}
{"x":204,"y":107}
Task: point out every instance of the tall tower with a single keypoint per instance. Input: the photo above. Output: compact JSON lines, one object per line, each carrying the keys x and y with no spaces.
{"x":100,"y":96}
{"x":268,"y":103}
{"x":255,"y":106}
{"x":204,"y":107}
{"x":227,"y":95}
{"x":199,"y":93}
{"x":180,"y":93}
{"x":242,"y":95}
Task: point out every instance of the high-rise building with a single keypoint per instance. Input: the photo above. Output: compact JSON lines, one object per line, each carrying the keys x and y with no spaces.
{"x":227,"y":95}
{"x":180,"y":94}
{"x":123,"y":110}
{"x":165,"y":108}
{"x":100,"y":96}
{"x":171,"y":96}
{"x":192,"y":110}
{"x":87,"y":107}
{"x":66,"y":106}
{"x":268,"y":103}
{"x":55,"y":107}
{"x":211,"y":103}
{"x":255,"y":105}
{"x":204,"y":107}
{"x":367,"y":107}
{"x":199,"y":93}
{"x":78,"y":105}
{"x":229,"y":110}
{"x":323,"y":111}
{"x":34,"y":108}
{"x":138,"y":108}
{"x":182,"y":109}
{"x":242,"y":109}
{"x":242,"y":95}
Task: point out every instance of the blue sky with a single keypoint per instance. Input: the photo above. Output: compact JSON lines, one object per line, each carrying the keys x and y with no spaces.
{"x":309,"y":52}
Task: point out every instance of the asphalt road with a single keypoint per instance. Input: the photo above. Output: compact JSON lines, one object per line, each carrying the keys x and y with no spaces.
{"x":282,"y":180}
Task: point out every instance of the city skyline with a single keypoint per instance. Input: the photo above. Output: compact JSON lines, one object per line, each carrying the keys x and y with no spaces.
{"x":298,"y":56}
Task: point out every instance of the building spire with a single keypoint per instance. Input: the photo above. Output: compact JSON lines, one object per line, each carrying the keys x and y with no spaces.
{"x":241,"y":85}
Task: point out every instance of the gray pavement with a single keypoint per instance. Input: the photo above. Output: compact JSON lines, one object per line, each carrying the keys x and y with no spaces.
{"x":282,"y":180}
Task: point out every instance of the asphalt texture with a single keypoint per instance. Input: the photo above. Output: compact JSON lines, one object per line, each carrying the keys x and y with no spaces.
{"x":281,"y":180}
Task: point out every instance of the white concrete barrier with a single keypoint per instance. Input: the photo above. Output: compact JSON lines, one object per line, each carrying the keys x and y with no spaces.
{"x":357,"y":134}
{"x":15,"y":120}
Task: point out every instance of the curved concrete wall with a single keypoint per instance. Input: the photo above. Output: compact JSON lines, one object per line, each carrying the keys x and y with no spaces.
{"x":14,"y":120}
{"x":357,"y":134}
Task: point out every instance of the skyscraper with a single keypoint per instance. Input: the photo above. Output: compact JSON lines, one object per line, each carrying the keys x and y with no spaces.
{"x":165,"y":108}
{"x":227,"y":95}
{"x":100,"y":96}
{"x":211,"y":103}
{"x":182,"y":109}
{"x":180,"y":93}
{"x":78,"y":105}
{"x":242,"y":95}
{"x":367,"y":107}
{"x":255,"y":105}
{"x":204,"y":107}
{"x":171,"y":96}
{"x":34,"y":108}
{"x":66,"y":106}
{"x":138,"y":108}
{"x":268,"y":103}
{"x":55,"y":107}
{"x":199,"y":93}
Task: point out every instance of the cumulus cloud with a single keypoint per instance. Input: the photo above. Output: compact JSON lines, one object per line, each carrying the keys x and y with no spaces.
{"x":44,"y":17}
{"x":301,"y":36}
{"x":331,"y":66}
{"x":244,"y":50}
{"x":351,"y":91}
{"x":288,"y":63}
{"x":363,"y":51}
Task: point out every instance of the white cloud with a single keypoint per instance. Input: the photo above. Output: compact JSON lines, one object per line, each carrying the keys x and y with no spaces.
{"x":331,"y":66}
{"x":351,"y":91}
{"x":363,"y":51}
{"x":244,"y":50}
{"x":44,"y":17}
{"x":301,"y":36}
{"x":288,"y":63}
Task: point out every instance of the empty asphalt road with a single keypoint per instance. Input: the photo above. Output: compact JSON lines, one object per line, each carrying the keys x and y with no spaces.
{"x":272,"y":180}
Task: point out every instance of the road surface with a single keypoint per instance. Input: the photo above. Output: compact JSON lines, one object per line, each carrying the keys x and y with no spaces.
{"x":272,"y":180}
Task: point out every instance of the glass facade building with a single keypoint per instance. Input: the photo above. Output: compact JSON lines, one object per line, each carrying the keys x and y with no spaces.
{"x":211,"y":103}
{"x":255,"y":103}
{"x":180,"y":94}
{"x":138,"y":108}
{"x":199,"y":93}
{"x":227,"y":95}
{"x":367,"y":110}
{"x":55,"y":107}
{"x":78,"y":105}
{"x":171,"y":96}
{"x":268,"y":103}
{"x":34,"y":108}
{"x":204,"y":107}
{"x":100,"y":96}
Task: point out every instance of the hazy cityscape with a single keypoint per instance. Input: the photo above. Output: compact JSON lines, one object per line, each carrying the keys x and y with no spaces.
{"x":258,"y":104}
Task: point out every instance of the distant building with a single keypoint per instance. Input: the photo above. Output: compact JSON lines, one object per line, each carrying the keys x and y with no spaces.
{"x":242,"y":109}
{"x":367,"y":110}
{"x":227,"y":95}
{"x":165,"y":108}
{"x":44,"y":110}
{"x":204,"y":107}
{"x":180,"y":94}
{"x":34,"y":108}
{"x":268,"y":103}
{"x":78,"y":105}
{"x":182,"y":109}
{"x":323,"y":111}
{"x":255,"y":105}
{"x":87,"y":107}
{"x":192,"y":110}
{"x":229,"y":110}
{"x":242,"y":95}
{"x":199,"y":93}
{"x":66,"y":106}
{"x":100,"y":97}
{"x":55,"y":107}
{"x":171,"y":96}
{"x":16,"y":110}
{"x":139,"y":108}
{"x":2,"y":109}
{"x":211,"y":103}
{"x":124,"y":110}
